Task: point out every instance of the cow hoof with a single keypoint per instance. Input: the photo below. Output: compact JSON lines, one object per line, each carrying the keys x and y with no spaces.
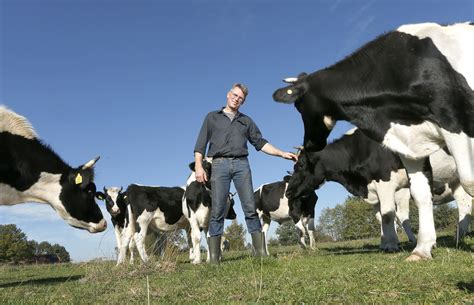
{"x":195,"y":262}
{"x":415,"y":257}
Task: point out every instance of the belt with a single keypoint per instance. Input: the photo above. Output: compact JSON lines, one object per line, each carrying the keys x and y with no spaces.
{"x":231,"y":158}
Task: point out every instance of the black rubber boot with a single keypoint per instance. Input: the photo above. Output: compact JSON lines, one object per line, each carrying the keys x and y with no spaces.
{"x":258,"y":243}
{"x":214,"y":250}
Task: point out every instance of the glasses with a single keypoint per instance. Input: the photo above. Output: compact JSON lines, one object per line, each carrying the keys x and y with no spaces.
{"x":237,"y":97}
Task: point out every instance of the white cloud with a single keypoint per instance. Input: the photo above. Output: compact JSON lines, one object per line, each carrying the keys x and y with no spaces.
{"x":27,"y":212}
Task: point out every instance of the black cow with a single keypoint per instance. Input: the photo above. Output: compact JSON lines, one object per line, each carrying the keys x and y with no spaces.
{"x":31,"y":171}
{"x":272,"y":204}
{"x":368,"y":170}
{"x":154,"y":206}
{"x":409,"y":89}
{"x":197,"y":203}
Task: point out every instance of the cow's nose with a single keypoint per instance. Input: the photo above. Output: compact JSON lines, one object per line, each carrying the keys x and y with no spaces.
{"x":101,"y":226}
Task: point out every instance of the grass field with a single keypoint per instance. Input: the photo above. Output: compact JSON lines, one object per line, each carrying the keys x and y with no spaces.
{"x":345,"y":272}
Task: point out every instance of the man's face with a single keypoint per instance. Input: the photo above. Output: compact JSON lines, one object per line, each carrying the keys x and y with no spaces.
{"x":235,"y":98}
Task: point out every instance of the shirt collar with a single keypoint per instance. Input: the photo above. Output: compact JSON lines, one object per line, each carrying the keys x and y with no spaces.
{"x":238,"y":114}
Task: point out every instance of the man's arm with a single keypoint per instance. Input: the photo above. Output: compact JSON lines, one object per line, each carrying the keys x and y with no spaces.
{"x":272,"y":150}
{"x":198,"y":170}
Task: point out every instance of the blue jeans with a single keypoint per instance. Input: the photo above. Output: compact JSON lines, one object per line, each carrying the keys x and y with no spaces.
{"x":225,"y":170}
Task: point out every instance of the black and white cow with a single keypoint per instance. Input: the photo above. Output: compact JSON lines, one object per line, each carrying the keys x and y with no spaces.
{"x":159,"y":208}
{"x":31,"y":171}
{"x":117,"y":207}
{"x":410,"y":90}
{"x":197,"y":203}
{"x":272,"y":204}
{"x":366,"y":170}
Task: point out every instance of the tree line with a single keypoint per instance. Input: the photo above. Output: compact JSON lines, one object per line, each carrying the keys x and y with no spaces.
{"x":16,"y":248}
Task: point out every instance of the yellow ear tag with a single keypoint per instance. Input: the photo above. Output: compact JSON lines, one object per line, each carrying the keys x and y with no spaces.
{"x":124,"y":197}
{"x":78,"y":179}
{"x":289,"y":91}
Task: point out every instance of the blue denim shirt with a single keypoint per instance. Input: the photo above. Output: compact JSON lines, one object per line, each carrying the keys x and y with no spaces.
{"x":228,"y":138}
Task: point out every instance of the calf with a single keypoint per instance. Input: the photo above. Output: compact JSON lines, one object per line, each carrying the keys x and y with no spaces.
{"x":116,"y":206}
{"x":31,"y":171}
{"x":272,"y":204}
{"x":410,"y":90}
{"x":367,"y":170}
{"x":197,"y":203}
{"x":159,"y":208}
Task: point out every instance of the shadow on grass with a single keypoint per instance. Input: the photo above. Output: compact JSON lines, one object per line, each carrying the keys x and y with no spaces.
{"x":469,"y":287}
{"x":367,"y":248}
{"x":450,"y":242}
{"x":42,"y":281}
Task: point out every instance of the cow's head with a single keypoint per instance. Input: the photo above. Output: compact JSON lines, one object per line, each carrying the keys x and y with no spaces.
{"x":314,"y":109}
{"x":77,"y":197}
{"x":113,"y":196}
{"x":207,"y":166}
{"x":307,"y":176}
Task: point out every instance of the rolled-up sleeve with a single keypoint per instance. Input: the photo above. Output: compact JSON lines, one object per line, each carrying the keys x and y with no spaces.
{"x":255,"y":136}
{"x":203,"y":137}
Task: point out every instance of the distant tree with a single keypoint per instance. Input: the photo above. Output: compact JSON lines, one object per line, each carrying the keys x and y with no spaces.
{"x":235,"y":233}
{"x":331,"y":222}
{"x":45,"y":248}
{"x":359,"y":220}
{"x":61,"y":253}
{"x":353,"y":219}
{"x":320,"y":235}
{"x":13,"y":244}
{"x":445,"y":217}
{"x":287,"y":234}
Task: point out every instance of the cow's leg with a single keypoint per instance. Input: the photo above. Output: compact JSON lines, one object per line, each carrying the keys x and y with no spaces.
{"x":266,"y":225}
{"x":421,"y":193}
{"x":461,"y":148}
{"x":386,"y":194}
{"x":301,"y":232}
{"x":189,"y":239}
{"x":142,"y":223}
{"x":118,"y":236}
{"x":378,"y":216}
{"x":402,"y":202}
{"x":464,"y":203}
{"x":131,"y":249}
{"x":208,"y":254}
{"x":196,"y":240}
{"x":309,"y":225}
{"x":127,"y":236}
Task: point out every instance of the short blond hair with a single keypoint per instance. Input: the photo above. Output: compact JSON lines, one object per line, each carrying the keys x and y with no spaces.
{"x":242,"y":87}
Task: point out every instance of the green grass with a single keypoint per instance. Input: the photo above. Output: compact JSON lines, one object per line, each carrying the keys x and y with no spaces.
{"x":346,"y":272}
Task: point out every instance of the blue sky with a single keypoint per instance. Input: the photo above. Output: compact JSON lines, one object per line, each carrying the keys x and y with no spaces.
{"x":131,"y":81}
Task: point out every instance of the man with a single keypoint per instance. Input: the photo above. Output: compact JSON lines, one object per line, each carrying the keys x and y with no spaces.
{"x":227,"y":132}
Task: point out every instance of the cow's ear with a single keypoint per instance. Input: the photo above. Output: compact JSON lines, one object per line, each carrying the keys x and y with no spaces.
{"x":81,"y":178}
{"x":287,"y":178}
{"x":192,"y":166}
{"x":290,"y":94}
{"x":100,"y":195}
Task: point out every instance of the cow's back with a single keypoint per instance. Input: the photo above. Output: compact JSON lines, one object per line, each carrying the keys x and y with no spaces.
{"x":168,"y":200}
